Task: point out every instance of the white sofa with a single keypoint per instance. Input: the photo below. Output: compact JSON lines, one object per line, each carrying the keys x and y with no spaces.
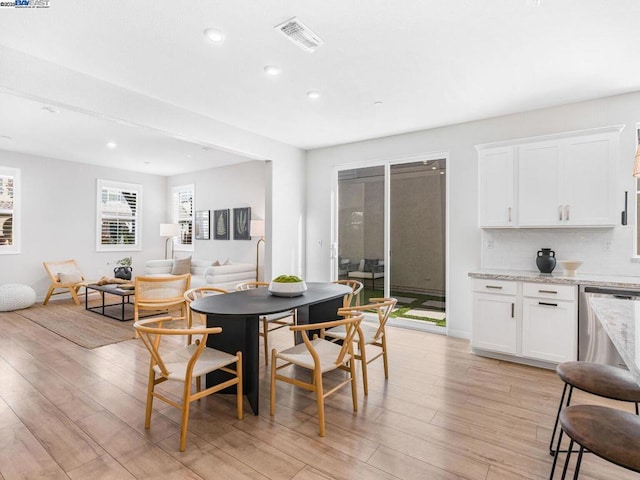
{"x":204,"y":272}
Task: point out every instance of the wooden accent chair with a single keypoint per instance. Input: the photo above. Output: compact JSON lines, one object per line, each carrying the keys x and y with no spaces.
{"x":273,"y":321}
{"x":356,"y":288}
{"x":161,"y":293}
{"x":184,"y":364}
{"x":368,"y":335}
{"x":320,"y":356}
{"x":64,"y":275}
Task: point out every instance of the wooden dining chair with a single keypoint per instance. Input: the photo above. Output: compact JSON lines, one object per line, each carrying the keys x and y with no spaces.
{"x":368,"y":335}
{"x":320,"y":356}
{"x":185,"y":363}
{"x":65,"y":275}
{"x":272,"y":321}
{"x":356,"y":288}
{"x":200,"y":292}
{"x":161,"y":293}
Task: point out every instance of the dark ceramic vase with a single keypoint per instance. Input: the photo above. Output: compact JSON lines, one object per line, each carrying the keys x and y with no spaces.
{"x":546,"y":260}
{"x":122,"y":272}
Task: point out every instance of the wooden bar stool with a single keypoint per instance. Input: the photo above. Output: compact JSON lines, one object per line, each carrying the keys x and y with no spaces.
{"x":609,"y":433}
{"x":602,"y":380}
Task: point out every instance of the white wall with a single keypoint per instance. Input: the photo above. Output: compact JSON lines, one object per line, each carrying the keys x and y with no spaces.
{"x":58,"y":211}
{"x":233,"y":186}
{"x":464,"y":241}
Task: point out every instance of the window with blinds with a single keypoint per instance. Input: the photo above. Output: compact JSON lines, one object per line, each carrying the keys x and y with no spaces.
{"x":182,"y":214}
{"x":9,"y":211}
{"x":118,"y":214}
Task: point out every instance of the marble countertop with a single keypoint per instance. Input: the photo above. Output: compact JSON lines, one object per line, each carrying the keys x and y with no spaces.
{"x":578,"y":279}
{"x":620,"y":320}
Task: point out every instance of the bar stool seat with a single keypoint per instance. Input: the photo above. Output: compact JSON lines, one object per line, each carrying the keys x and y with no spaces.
{"x":604,"y":381}
{"x":609,"y":433}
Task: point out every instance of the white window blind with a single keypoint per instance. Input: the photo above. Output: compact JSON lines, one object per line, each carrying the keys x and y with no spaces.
{"x":118,"y":214}
{"x":9,"y":210}
{"x":182,"y":213}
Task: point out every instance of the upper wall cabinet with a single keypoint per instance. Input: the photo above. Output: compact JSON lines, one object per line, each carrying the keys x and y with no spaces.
{"x":496,"y":187}
{"x":565,"y":180}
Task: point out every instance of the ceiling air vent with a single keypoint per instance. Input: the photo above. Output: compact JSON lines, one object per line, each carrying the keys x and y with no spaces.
{"x":300,"y":34}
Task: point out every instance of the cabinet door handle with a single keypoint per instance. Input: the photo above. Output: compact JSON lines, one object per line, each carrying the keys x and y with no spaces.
{"x":566,"y":212}
{"x":548,"y":291}
{"x":513,"y":308}
{"x":495,"y":287}
{"x":560,"y":212}
{"x":548,"y":304}
{"x":509,"y":210}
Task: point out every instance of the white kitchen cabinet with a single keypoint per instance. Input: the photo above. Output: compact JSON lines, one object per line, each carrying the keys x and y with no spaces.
{"x":562,"y":180}
{"x":494,"y":316}
{"x":568,"y":182}
{"x":539,"y":184}
{"x":495,"y":184}
{"x":526,"y":320}
{"x":549,"y":322}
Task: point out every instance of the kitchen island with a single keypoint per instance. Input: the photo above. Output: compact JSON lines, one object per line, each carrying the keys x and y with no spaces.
{"x":620,"y":320}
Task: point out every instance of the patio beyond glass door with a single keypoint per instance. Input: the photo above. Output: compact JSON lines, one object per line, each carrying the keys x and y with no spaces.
{"x":361,"y":228}
{"x":404,"y":255}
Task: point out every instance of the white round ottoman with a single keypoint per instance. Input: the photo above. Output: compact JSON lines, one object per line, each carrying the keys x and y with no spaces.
{"x":14,"y":296}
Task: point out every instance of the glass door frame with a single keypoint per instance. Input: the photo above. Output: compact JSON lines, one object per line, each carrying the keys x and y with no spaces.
{"x":387,"y":163}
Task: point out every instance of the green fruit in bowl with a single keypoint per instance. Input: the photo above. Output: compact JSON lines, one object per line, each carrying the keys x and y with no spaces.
{"x":287,"y":279}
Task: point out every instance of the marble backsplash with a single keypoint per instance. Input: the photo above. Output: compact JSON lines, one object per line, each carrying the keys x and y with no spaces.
{"x":606,"y":251}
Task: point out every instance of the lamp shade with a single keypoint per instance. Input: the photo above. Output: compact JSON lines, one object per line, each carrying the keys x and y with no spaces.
{"x":636,"y":164}
{"x":257,"y":228}
{"x":169,"y":229}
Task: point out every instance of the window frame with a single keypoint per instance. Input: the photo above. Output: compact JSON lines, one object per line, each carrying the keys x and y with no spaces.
{"x":136,"y":217}
{"x":183,"y":220}
{"x":14,"y":248}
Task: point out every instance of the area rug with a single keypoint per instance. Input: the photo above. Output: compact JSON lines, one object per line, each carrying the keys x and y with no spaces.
{"x":82,"y":327}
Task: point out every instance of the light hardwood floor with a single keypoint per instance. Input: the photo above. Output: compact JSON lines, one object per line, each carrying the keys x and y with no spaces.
{"x":68,"y":412}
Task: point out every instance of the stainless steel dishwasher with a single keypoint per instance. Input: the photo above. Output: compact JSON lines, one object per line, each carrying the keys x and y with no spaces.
{"x":594,"y":344}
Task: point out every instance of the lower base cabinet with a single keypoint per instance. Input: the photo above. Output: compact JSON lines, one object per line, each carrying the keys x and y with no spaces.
{"x":537,"y":321}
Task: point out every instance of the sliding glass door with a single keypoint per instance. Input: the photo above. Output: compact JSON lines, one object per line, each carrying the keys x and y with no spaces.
{"x":391,"y":224}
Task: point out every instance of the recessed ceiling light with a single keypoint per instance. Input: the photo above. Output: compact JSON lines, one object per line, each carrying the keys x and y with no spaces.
{"x":272,"y":70}
{"x":50,"y":109}
{"x":441,"y":173}
{"x":313,"y":94}
{"x":377,"y":104}
{"x":216,"y":36}
{"x":112,"y":145}
{"x":188,"y":155}
{"x":434,"y":168}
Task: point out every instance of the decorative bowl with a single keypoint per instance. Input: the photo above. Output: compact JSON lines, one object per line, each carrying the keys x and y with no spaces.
{"x":570,"y":266}
{"x":288,"y":289}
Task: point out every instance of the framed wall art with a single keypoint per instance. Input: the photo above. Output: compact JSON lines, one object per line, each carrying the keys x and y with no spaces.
{"x":241,"y":221}
{"x":221,"y":224}
{"x":203,"y":225}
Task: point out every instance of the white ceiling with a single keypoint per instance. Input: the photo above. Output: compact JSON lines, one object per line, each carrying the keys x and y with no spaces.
{"x":430,"y":62}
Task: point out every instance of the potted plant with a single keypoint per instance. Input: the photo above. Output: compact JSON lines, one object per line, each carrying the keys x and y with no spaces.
{"x":287,"y":286}
{"x":123,"y":268}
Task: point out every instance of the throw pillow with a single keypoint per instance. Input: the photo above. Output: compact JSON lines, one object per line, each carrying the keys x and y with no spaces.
{"x":217,"y":263}
{"x":228,"y":262}
{"x":181,"y":266}
{"x":73,"y":277}
{"x":361,"y":266}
